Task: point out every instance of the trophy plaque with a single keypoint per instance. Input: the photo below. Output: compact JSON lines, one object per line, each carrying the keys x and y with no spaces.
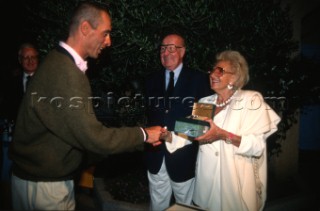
{"x":194,"y":125}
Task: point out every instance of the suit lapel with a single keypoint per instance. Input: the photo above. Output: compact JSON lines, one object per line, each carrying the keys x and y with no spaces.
{"x":20,"y":84}
{"x":162,"y":83}
{"x":182,"y":81}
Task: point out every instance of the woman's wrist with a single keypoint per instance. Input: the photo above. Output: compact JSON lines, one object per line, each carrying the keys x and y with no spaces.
{"x":221,"y":134}
{"x":229,"y":138}
{"x":169,"y":137}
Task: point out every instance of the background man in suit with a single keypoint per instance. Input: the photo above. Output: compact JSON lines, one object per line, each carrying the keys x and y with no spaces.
{"x":172,"y":172}
{"x":13,"y":86}
{"x":16,"y":84}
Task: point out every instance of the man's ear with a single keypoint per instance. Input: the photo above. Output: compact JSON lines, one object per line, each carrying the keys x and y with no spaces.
{"x":85,"y":28}
{"x":183,"y":52}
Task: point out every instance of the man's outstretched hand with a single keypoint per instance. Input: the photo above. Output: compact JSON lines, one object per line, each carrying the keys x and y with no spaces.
{"x":154,"y":133}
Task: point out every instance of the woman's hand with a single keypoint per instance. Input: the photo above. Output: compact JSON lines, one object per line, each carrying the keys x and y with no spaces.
{"x":211,"y":135}
{"x":166,"y":135}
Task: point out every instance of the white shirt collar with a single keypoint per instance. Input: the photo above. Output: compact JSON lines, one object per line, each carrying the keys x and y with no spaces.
{"x":25,"y":75}
{"x":81,"y":64}
{"x":176,"y":71}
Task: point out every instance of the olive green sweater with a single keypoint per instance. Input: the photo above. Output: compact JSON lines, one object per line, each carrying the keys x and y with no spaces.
{"x":56,"y":124}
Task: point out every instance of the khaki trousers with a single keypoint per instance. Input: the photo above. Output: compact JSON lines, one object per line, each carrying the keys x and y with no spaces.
{"x":29,"y":195}
{"x":161,"y":188}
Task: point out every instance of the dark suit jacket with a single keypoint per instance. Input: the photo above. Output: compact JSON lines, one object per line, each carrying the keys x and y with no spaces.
{"x":13,"y":93}
{"x":190,"y":87}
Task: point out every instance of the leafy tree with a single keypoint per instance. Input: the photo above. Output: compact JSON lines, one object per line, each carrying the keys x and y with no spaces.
{"x":260,"y":30}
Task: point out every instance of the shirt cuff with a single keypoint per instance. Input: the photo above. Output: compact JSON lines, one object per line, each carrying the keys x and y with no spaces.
{"x":145,"y":134}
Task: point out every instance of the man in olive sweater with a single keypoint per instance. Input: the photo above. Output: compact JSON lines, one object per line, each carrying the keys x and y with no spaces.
{"x":56,"y":124}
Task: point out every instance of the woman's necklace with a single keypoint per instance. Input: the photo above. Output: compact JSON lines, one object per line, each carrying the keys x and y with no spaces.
{"x":219,"y":105}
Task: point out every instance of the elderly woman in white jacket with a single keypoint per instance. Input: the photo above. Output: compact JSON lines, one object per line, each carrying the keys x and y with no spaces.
{"x":231,"y":171}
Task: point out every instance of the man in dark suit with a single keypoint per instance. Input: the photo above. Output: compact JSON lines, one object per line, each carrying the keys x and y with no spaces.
{"x":18,"y":79}
{"x":167,"y":101}
{"x":13,"y":88}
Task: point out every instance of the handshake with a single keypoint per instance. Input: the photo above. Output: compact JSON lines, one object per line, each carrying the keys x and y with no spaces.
{"x":156,"y":134}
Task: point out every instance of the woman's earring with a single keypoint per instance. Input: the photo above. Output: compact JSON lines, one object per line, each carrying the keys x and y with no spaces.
{"x":230,"y":86}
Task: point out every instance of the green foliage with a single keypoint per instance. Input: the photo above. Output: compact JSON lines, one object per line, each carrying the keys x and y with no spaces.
{"x":260,"y":30}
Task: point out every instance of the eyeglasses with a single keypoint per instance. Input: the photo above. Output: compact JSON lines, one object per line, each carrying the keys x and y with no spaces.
{"x":171,"y":48}
{"x":219,"y":71}
{"x":29,"y":58}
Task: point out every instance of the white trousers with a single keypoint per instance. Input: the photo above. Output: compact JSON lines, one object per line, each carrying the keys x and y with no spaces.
{"x":161,"y":188}
{"x":28,"y":195}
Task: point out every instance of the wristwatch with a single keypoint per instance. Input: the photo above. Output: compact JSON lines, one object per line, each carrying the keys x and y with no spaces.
{"x":229,"y":138}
